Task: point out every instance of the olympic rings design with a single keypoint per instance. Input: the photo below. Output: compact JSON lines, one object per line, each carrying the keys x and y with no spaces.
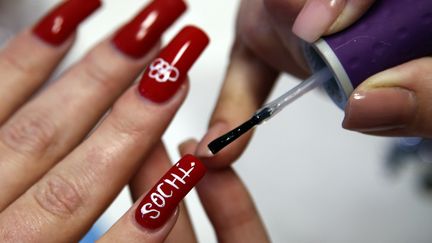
{"x":162,"y":71}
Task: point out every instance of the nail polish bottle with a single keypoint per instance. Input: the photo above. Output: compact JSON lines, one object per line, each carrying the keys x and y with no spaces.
{"x":390,"y":33}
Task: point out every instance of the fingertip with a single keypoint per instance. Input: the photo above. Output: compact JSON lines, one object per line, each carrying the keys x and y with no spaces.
{"x":203,"y":152}
{"x":216,"y":130}
{"x":188,"y":146}
{"x":319,"y":17}
{"x":316,"y":17}
{"x":353,"y":10}
{"x":226,"y":156}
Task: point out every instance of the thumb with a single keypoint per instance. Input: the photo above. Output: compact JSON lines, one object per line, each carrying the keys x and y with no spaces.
{"x":396,"y":102}
{"x":320,"y":17}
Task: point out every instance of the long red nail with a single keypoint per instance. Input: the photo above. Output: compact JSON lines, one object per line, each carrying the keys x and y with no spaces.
{"x":161,"y":201}
{"x":57,"y":26}
{"x":138,"y":36}
{"x":164,"y":76}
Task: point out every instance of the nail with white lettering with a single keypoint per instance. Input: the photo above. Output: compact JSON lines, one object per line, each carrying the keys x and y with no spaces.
{"x":162,"y":200}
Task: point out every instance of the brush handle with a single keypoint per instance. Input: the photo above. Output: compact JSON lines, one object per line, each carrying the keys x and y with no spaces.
{"x":392,"y":32}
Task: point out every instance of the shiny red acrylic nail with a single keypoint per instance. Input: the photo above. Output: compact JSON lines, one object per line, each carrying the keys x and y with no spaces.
{"x":56,"y":27}
{"x":161,"y":201}
{"x":138,"y":36}
{"x":164,"y":76}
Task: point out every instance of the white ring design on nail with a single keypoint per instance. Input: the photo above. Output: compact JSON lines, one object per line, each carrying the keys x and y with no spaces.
{"x":162,"y":71}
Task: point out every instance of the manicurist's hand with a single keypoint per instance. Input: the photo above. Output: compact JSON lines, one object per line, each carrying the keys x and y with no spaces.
{"x":268,"y":37}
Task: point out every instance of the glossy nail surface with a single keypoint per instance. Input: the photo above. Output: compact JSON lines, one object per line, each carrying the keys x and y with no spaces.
{"x":316,"y":17}
{"x":380,"y":109}
{"x":58,"y":25}
{"x":138,"y":36}
{"x":161,"y":201}
{"x":164,"y":76}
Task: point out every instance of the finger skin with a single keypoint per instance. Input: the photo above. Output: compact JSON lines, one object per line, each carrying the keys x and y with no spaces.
{"x":75,"y":192}
{"x":25,"y":64}
{"x":256,"y":30}
{"x":237,"y":220}
{"x":247,"y":84}
{"x":47,"y":128}
{"x":44,"y":130}
{"x":228,"y":205}
{"x":148,"y":174}
{"x":414,"y":76}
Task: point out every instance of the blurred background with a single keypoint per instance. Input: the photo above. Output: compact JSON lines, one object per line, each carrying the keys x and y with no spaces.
{"x":311,"y":180}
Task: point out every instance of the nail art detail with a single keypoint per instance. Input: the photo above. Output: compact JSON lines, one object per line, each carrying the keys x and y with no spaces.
{"x":164,"y":76}
{"x":161,"y":201}
{"x":58,"y":25}
{"x":138,"y":36}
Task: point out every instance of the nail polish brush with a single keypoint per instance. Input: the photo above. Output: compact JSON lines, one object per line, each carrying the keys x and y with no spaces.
{"x":271,"y":109}
{"x":389,"y":34}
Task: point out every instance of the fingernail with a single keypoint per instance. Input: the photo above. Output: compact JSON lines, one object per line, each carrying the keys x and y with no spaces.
{"x":214,"y":132}
{"x":380,"y":109}
{"x":161,"y":201}
{"x":58,"y":25}
{"x":164,"y":76}
{"x":138,"y":36}
{"x":316,"y":17}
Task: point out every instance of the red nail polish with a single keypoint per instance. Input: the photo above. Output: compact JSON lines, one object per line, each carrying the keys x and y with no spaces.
{"x":161,"y":201}
{"x":164,"y":76}
{"x":138,"y":36}
{"x":61,"y":22}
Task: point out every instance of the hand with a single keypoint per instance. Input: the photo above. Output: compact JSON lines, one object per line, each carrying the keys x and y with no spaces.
{"x":265,"y":46}
{"x":57,"y":177}
{"x":225,"y":199}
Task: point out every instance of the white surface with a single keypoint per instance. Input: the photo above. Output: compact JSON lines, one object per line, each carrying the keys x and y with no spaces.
{"x":312,"y":181}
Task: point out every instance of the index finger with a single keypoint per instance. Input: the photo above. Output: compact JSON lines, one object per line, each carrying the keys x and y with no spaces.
{"x":233,"y":220}
{"x":247,"y":84}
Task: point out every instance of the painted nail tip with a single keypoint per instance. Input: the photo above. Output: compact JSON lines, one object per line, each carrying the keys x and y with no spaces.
{"x":69,"y":14}
{"x":144,"y":30}
{"x":167,"y":73}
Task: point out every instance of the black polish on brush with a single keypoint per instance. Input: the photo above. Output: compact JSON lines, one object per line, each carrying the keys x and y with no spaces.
{"x":218,"y":144}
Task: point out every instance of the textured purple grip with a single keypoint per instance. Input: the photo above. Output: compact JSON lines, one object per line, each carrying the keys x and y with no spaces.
{"x":391,"y":33}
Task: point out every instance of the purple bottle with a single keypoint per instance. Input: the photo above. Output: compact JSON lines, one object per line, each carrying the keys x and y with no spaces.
{"x":391,"y":33}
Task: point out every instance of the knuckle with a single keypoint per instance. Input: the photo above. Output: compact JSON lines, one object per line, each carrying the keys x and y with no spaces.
{"x":130,"y":128}
{"x":58,"y":196}
{"x":30,"y":133}
{"x":15,"y":63}
{"x":254,"y":28}
{"x":251,"y":36}
{"x":96,"y":71}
